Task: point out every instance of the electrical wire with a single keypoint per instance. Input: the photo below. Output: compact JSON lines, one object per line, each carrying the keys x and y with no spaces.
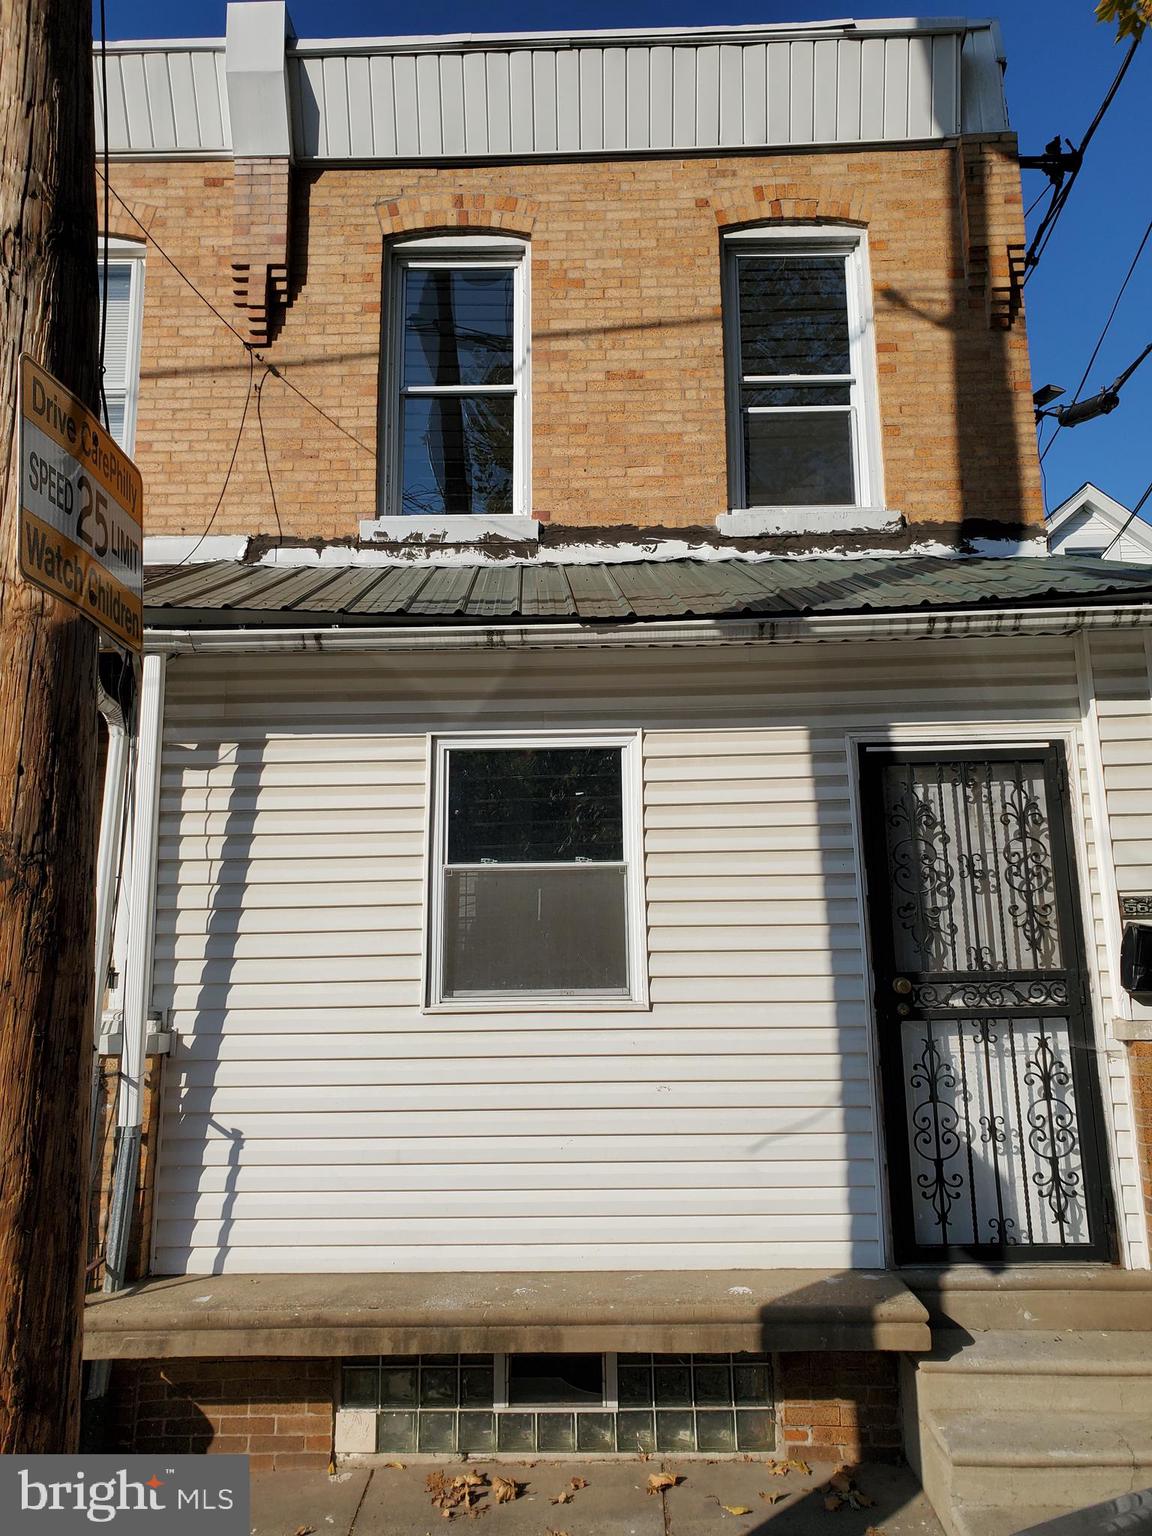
{"x":1100,"y":339}
{"x":223,"y":319}
{"x":1036,"y":201}
{"x":160,"y":251}
{"x":1051,"y":217}
{"x":264,"y":449}
{"x":1128,"y":521}
{"x":231,"y":464}
{"x":104,"y":178}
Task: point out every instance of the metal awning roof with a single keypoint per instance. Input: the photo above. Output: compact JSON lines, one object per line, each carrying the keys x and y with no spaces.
{"x":224,"y":593}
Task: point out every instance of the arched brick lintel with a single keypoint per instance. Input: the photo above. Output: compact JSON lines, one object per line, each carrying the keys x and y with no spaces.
{"x":449,"y":211}
{"x":786,"y":203}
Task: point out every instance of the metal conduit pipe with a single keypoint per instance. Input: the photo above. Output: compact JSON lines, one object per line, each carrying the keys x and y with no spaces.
{"x":137,"y":972}
{"x":113,"y":700}
{"x":137,"y":994}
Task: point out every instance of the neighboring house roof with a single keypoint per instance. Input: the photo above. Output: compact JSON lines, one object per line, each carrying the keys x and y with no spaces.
{"x":234,"y":593}
{"x":261,"y":91}
{"x":1090,"y":521}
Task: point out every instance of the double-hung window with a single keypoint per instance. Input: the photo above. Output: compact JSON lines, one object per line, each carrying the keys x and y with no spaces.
{"x":535,"y":871}
{"x":802,"y":407}
{"x":121,"y":326}
{"x":454,"y":411}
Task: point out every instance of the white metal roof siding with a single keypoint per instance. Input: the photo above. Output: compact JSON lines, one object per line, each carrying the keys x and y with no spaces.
{"x":315,"y":1118}
{"x":627,"y":98}
{"x":626,"y":95}
{"x":164,"y":101}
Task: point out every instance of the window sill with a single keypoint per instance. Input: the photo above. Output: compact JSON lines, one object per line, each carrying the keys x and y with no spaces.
{"x":542,"y":1005}
{"x":756,"y":521}
{"x":449,"y":529}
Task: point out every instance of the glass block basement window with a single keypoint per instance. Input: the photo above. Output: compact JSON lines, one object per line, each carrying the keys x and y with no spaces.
{"x":454,"y":1404}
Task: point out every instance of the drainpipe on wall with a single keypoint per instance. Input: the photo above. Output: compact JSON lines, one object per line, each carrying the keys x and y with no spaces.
{"x":137,"y":973}
{"x":114,"y":701}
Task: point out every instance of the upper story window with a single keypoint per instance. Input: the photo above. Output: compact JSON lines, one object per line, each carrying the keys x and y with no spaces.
{"x":803,"y":429}
{"x":455,"y":405}
{"x":122,"y":336}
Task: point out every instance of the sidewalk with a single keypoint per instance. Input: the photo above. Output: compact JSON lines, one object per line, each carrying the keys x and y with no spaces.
{"x":394,"y":1501}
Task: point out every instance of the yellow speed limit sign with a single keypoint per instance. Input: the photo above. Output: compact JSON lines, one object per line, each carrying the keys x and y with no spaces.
{"x":81,"y":501}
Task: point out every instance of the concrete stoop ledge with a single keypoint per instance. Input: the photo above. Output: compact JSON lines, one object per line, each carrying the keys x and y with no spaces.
{"x":316,"y":1315}
{"x":1009,"y":1429}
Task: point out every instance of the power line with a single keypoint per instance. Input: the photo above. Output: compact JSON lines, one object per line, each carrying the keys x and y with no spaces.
{"x":264,"y":449}
{"x":284,"y":379}
{"x":231,"y":465}
{"x":104,"y":178}
{"x":1051,"y":217}
{"x":223,"y":319}
{"x":1128,"y":521}
{"x":1103,"y":333}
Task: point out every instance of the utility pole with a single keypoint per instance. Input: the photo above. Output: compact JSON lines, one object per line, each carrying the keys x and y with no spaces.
{"x":49,"y":309}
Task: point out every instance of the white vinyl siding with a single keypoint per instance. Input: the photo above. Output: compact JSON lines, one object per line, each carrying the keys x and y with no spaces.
{"x":317,"y":1117}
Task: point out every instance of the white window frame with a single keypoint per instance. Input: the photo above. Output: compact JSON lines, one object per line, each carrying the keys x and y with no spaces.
{"x":868,"y":511}
{"x":452,"y":252}
{"x":636,"y":937}
{"x":132,"y":253}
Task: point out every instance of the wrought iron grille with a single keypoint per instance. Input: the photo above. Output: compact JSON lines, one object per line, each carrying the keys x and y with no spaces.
{"x":981,"y":1009}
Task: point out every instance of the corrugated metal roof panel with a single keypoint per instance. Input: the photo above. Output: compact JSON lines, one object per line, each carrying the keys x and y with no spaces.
{"x":636,"y":589}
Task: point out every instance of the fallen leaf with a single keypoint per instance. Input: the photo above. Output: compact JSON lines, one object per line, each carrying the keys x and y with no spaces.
{"x":736,"y":1509}
{"x":658,"y":1481}
{"x":841,"y":1482}
{"x":833,"y":1501}
{"x":505,"y":1489}
{"x":860,"y":1500}
{"x":447,"y":1513}
{"x":551,"y":1532}
{"x":563,"y":1497}
{"x":578,"y":1482}
{"x":773,"y":1498}
{"x":304,"y":1530}
{"x":397,"y":1466}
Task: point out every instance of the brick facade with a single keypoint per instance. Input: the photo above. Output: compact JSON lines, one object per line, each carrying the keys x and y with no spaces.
{"x":839,"y":1407}
{"x":628,"y":420}
{"x":280,"y":1413}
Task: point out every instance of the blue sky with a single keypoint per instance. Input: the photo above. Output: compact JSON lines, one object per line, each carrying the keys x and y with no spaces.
{"x":1060,"y":62}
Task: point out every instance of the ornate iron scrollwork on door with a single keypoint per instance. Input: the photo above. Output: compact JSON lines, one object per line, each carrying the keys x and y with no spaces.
{"x":981,"y":1008}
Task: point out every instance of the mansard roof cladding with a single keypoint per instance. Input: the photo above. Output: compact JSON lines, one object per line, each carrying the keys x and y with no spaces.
{"x":261,"y":91}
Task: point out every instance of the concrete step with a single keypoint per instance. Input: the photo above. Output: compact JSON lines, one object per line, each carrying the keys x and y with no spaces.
{"x":992,"y":1520}
{"x":1034,"y":1296}
{"x":1010,"y":1460}
{"x":1074,"y":1371}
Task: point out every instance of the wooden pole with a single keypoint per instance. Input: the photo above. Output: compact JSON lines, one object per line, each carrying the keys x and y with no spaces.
{"x":48,"y":308}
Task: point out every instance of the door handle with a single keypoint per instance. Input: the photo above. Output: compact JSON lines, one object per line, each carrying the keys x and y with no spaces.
{"x":901,"y":985}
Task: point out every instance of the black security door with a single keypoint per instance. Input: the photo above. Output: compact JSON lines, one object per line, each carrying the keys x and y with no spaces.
{"x":991,"y":1101}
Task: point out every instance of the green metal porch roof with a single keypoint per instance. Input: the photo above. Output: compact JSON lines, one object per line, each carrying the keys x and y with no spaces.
{"x":225,"y":593}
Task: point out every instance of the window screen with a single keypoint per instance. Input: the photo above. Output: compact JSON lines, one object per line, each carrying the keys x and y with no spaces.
{"x":535,"y":878}
{"x":797,"y":379}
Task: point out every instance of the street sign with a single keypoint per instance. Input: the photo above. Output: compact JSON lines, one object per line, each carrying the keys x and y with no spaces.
{"x":81,"y":501}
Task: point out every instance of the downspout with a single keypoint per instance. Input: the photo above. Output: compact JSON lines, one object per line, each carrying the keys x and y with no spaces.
{"x":137,"y":973}
{"x":115,"y":706}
